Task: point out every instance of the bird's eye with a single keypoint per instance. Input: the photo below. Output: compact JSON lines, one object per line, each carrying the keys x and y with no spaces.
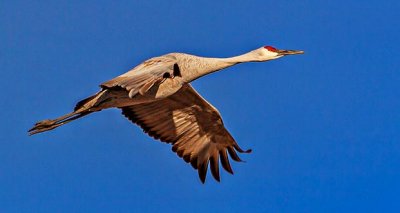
{"x":270,"y":48}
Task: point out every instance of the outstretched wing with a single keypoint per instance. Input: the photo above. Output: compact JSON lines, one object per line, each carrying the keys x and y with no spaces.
{"x":192,"y":125}
{"x":141,"y":78}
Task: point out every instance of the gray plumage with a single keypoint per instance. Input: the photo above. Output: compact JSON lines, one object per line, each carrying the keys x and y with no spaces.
{"x":157,"y":96}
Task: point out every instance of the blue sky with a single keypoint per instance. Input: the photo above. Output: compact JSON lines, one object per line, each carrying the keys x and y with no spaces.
{"x":324,"y":126}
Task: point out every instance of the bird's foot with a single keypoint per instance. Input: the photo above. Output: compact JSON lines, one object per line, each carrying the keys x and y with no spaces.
{"x":42,"y":126}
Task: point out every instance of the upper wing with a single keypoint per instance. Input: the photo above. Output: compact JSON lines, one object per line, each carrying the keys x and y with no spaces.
{"x":192,"y":125}
{"x":141,"y":78}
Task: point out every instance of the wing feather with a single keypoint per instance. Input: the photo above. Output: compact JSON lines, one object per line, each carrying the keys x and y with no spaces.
{"x":214,"y":166}
{"x":192,"y":125}
{"x":143,"y":77}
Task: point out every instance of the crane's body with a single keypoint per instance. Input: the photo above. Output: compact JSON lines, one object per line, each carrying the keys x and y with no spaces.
{"x":157,"y":96}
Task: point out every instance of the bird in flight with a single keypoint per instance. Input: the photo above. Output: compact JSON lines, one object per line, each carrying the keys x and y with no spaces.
{"x":157,"y":96}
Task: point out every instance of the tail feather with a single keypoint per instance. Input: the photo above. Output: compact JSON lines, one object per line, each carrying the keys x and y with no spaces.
{"x":81,"y":103}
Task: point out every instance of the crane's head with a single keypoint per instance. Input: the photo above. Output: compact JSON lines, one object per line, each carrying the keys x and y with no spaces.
{"x":269,"y":53}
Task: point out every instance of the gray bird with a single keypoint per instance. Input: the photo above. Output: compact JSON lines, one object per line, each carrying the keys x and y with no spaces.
{"x":157,"y":96}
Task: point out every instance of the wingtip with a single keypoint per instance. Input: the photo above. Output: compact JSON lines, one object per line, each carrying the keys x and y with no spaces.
{"x":202,"y":177}
{"x":237,"y":147}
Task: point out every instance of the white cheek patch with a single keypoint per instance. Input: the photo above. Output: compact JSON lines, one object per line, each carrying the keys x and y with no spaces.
{"x":270,"y":55}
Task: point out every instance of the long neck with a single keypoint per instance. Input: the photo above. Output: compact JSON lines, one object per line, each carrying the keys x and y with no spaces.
{"x":197,"y":67}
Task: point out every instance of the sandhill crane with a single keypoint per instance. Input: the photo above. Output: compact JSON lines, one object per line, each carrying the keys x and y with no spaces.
{"x":157,"y":96}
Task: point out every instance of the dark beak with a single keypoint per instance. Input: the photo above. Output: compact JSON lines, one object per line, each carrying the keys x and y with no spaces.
{"x":290,"y":52}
